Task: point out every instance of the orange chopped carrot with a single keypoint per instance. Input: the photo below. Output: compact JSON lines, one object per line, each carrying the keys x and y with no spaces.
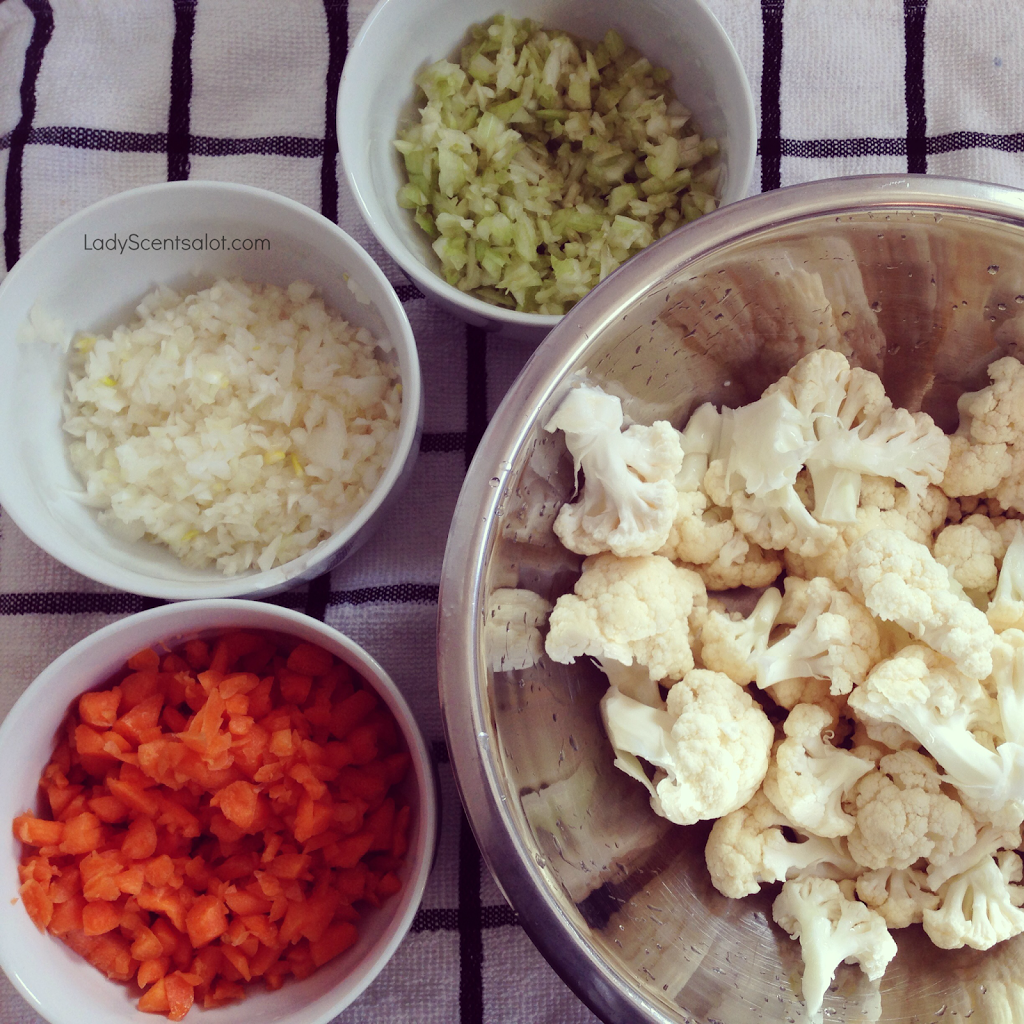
{"x":37,"y":902}
{"x":221,"y":813}
{"x":206,"y":921}
{"x":100,"y":917}
{"x":99,"y":708}
{"x":38,"y":831}
{"x":144,"y":659}
{"x":338,"y":937}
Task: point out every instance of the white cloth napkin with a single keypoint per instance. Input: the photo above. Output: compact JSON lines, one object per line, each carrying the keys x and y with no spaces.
{"x":97,"y":98}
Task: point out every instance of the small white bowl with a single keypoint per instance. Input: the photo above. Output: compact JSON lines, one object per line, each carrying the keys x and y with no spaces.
{"x":57,"y":983}
{"x":400,"y":37}
{"x":95,"y":290}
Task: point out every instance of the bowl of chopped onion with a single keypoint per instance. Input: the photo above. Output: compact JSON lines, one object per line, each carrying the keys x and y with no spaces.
{"x":218,"y":804}
{"x":213,"y":391}
{"x":731,"y":649}
{"x":520,"y":154}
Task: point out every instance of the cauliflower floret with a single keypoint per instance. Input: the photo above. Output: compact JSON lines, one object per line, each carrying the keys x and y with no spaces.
{"x":900,"y":896}
{"x":710,"y":746}
{"x":990,"y":839}
{"x":628,"y":502}
{"x":732,"y":644}
{"x":512,"y":629}
{"x":1006,"y":608}
{"x":980,"y":907}
{"x":833,"y":637}
{"x":832,"y":929}
{"x":924,"y":693}
{"x":858,"y":433}
{"x":628,"y":609}
{"x":970,"y":550}
{"x":883,"y":504}
{"x":899,"y":580}
{"x":987,"y":456}
{"x":747,"y":848}
{"x":808,"y":777}
{"x":902,"y":815}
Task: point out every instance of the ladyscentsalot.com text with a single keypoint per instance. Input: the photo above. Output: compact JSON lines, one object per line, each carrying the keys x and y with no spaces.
{"x":204,"y":243}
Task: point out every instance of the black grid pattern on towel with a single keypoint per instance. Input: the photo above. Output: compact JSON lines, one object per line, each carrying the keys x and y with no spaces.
{"x":470,"y":919}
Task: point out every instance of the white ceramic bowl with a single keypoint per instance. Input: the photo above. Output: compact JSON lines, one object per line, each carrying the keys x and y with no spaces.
{"x":400,"y":37}
{"x":96,"y":290}
{"x":60,"y":985}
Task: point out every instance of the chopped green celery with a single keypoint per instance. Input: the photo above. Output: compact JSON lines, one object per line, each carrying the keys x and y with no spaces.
{"x":482,"y":69}
{"x":620,"y":197}
{"x":441,"y":80}
{"x":595,"y":136}
{"x":411,"y":197}
{"x":614,"y":44}
{"x":507,"y":109}
{"x":673,"y":183}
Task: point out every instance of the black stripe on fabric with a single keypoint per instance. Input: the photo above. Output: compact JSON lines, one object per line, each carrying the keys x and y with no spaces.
{"x":68,"y":602}
{"x":914,"y":16}
{"x":42,"y":30}
{"x":156,"y":142}
{"x":830,"y":149}
{"x":178,"y":114}
{"x":470,"y":915}
{"x":318,"y":596}
{"x":439,"y":752}
{"x":444,"y":919}
{"x":953,"y":141}
{"x":454,"y":442}
{"x":337,"y":47}
{"x":771,"y":94}
{"x":408,"y":292}
{"x":476,"y":389}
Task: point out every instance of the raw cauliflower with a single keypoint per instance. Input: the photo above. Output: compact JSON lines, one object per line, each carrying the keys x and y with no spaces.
{"x":710,"y":746}
{"x":628,"y":609}
{"x":628,"y":501}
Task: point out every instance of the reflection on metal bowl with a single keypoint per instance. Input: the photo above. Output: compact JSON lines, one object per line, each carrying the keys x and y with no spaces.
{"x":920,"y":279}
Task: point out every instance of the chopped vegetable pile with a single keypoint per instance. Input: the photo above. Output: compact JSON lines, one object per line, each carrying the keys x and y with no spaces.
{"x":221,"y":813}
{"x":541,"y":162}
{"x":858,"y":734}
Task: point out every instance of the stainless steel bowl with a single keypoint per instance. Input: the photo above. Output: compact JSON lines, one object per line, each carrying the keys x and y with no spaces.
{"x":618,"y":900}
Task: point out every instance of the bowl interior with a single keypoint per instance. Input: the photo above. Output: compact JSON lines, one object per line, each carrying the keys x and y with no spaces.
{"x":33,"y":960}
{"x":70,"y":280}
{"x":619,"y":900}
{"x":683,"y":37}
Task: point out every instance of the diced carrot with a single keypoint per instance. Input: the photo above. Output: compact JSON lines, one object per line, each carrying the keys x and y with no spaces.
{"x":82,"y":834}
{"x":400,"y":841}
{"x":99,"y":707}
{"x":207,"y":920}
{"x":142,"y":802}
{"x":131,"y":879}
{"x":294,"y":685}
{"x":67,"y":915}
{"x":312,"y":818}
{"x":98,"y":871}
{"x":238,"y":960}
{"x":239,"y":803}
{"x":172,"y":663}
{"x":351,"y":882}
{"x":60,"y":798}
{"x":197,"y":654}
{"x":222,"y":993}
{"x":310,"y":659}
{"x":381,"y":823}
{"x":336,"y":939}
{"x":260,"y":700}
{"x":152,"y":970}
{"x":260,"y":926}
{"x":154,"y":1000}
{"x":264,"y":959}
{"x":167,"y":934}
{"x":146,"y":946}
{"x":139,"y":842}
{"x":348,"y":713}
{"x":109,"y":953}
{"x":144,"y":659}
{"x":100,"y":917}
{"x":164,"y":900}
{"x":108,"y":808}
{"x":38,"y":831}
{"x":245,"y":903}
{"x":178,"y":819}
{"x":180,"y":994}
{"x":173,"y":719}
{"x":138,"y":723}
{"x":37,"y":902}
{"x":231,"y":647}
{"x":290,"y":865}
{"x":350,"y":850}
